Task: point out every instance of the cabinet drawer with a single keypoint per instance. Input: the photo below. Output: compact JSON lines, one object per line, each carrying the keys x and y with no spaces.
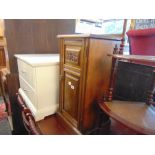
{"x":28,"y":90}
{"x":27,"y":72}
{"x":73,"y":54}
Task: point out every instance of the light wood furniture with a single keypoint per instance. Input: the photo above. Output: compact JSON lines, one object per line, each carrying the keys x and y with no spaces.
{"x":39,"y":82}
{"x":84,"y":75}
{"x":131,"y":102}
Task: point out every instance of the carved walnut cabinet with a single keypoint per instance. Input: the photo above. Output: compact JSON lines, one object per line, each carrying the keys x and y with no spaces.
{"x":84,"y":76}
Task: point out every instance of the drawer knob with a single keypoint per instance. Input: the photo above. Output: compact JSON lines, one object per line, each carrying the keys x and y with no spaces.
{"x":72,"y":87}
{"x":26,"y":90}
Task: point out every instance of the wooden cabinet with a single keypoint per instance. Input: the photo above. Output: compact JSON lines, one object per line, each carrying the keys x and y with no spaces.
{"x":84,"y":76}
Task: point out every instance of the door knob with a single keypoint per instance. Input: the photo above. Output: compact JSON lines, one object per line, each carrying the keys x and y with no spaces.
{"x":72,"y":87}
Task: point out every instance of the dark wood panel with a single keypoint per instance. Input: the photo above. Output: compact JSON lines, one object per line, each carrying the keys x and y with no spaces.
{"x":30,"y":36}
{"x":16,"y":116}
{"x":71,"y":95}
{"x":2,"y":57}
{"x":66,"y":26}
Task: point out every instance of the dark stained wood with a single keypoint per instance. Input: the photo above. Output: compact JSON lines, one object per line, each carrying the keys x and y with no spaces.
{"x":121,"y":49}
{"x":34,"y":36}
{"x":66,"y":26}
{"x":4,"y":87}
{"x":29,"y":122}
{"x":151,"y":93}
{"x":137,"y":116}
{"x":112,"y":78}
{"x":16,"y":116}
{"x":51,"y":126}
{"x":2,"y":57}
{"x":85,"y":72}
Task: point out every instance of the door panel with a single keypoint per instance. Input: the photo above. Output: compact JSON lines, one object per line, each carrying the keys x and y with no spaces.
{"x":71,"y":97}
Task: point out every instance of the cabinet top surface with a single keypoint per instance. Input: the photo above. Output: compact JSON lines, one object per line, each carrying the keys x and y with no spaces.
{"x":39,"y":59}
{"x":116,"y":37}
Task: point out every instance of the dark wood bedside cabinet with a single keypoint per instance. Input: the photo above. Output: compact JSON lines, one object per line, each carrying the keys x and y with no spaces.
{"x":84,"y":75}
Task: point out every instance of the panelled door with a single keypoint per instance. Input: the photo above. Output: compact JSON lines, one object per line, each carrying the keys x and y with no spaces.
{"x":71,"y":82}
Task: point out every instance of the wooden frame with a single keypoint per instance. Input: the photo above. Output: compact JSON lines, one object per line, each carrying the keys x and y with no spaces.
{"x":130,"y":58}
{"x":134,"y":115}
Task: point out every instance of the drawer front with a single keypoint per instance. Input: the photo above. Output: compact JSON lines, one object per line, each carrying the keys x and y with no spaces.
{"x":21,"y":68}
{"x":73,"y":54}
{"x":70,"y":97}
{"x":27,"y":72}
{"x":28,"y":91}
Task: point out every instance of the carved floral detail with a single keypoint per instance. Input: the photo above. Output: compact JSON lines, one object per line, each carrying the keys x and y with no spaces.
{"x":72,"y":56}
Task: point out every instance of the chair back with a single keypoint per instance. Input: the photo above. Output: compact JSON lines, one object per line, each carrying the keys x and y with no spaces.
{"x":27,"y":117}
{"x":133,"y":82}
{"x":142,"y":42}
{"x":29,"y":123}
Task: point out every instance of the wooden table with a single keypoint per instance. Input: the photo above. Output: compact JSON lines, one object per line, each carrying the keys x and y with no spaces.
{"x":135,"y":115}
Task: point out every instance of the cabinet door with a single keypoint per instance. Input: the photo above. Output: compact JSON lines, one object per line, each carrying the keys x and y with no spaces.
{"x":71,"y":97}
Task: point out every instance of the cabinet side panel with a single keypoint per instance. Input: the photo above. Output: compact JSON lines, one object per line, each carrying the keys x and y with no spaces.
{"x":98,"y":77}
{"x":47,"y":89}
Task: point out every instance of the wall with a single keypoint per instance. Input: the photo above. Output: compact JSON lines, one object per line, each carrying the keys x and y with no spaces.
{"x":29,"y":36}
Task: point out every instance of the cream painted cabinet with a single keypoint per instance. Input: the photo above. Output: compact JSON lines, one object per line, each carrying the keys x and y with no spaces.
{"x":39,"y":82}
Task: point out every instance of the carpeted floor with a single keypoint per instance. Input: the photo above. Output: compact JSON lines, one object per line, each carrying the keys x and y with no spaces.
{"x":1,"y":99}
{"x":3,"y":114}
{"x":5,"y":127}
{"x":4,"y":123}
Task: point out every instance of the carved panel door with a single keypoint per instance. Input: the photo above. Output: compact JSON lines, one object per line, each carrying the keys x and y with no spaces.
{"x":71,"y":83}
{"x":71,"y":97}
